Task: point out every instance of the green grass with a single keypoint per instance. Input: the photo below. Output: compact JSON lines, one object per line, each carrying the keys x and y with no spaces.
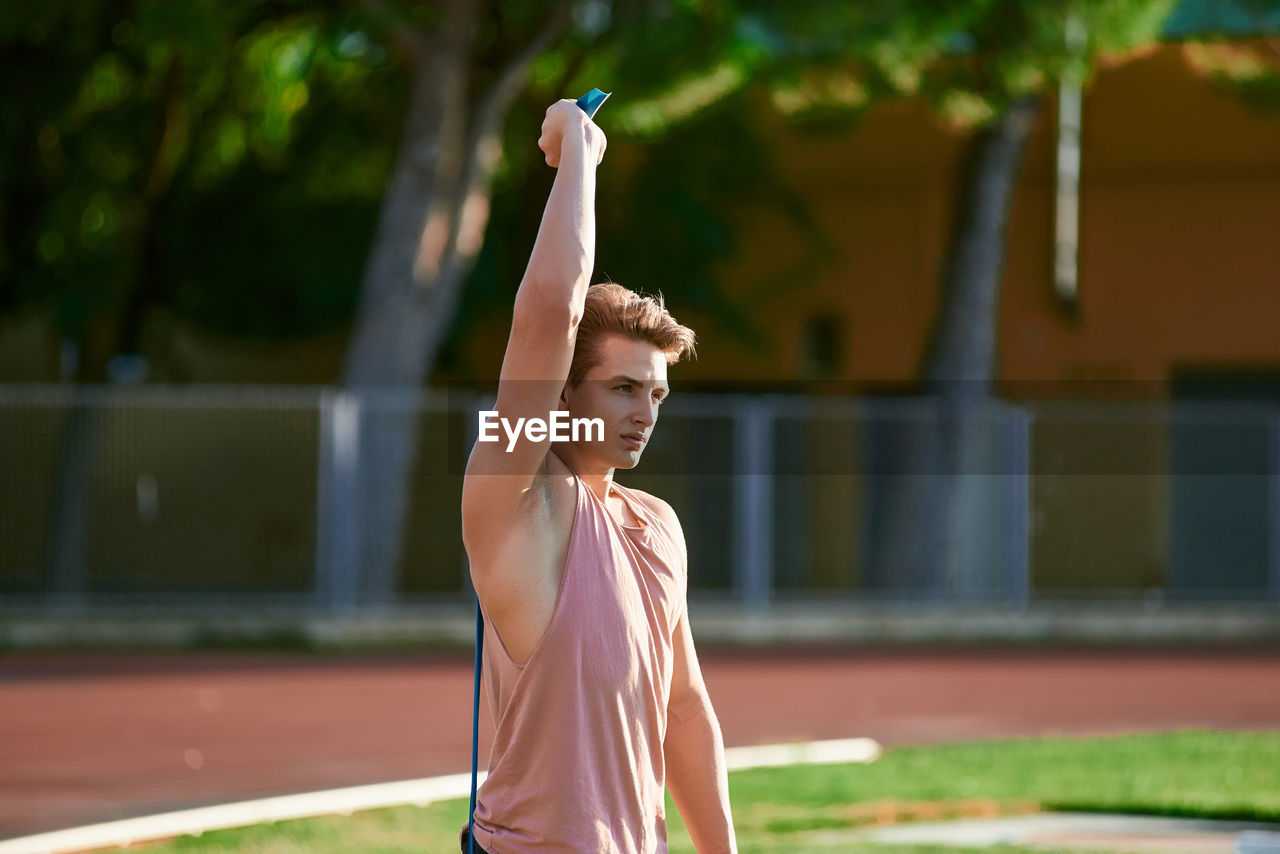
{"x":810,"y":808}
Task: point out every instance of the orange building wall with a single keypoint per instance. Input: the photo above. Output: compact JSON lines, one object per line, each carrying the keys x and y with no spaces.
{"x":1180,"y":239}
{"x":1180,"y":233}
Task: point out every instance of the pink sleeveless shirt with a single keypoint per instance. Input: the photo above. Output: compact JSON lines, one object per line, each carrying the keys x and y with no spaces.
{"x":577,"y":763}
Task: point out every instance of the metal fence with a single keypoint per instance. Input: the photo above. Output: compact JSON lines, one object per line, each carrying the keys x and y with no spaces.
{"x":192,"y":496}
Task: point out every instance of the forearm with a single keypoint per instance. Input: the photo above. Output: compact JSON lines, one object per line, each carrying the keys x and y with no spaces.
{"x":698,"y":779}
{"x":563,"y":254}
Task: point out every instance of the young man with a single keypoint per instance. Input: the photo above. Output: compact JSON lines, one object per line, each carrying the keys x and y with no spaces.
{"x":590,"y":669}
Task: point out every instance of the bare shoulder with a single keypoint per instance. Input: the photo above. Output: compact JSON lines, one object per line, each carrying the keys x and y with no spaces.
{"x":659,"y":508}
{"x":666,"y":514}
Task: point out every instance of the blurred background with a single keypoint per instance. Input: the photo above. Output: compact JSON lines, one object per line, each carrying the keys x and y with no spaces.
{"x":986,"y":295}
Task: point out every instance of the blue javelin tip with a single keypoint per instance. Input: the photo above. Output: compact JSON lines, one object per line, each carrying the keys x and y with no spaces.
{"x":591,"y":102}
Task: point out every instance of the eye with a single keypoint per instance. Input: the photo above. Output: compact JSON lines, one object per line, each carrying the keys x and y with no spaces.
{"x":625,"y":388}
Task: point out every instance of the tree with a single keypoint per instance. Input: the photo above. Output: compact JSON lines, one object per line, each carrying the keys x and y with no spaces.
{"x":466,"y":63}
{"x":126,"y":124}
{"x":216,"y":159}
{"x":983,"y":64}
{"x":136,"y":119}
{"x":124,"y":119}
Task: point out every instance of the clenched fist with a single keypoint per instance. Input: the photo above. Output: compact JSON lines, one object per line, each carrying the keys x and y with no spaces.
{"x":567,"y":125}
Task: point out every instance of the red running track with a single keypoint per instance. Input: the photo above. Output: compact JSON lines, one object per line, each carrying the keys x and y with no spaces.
{"x":93,"y":738}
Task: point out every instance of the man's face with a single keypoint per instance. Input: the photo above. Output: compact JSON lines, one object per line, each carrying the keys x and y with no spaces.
{"x":624,"y":391}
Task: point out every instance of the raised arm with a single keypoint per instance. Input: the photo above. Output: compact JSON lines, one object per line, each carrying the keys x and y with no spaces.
{"x":548,"y":307}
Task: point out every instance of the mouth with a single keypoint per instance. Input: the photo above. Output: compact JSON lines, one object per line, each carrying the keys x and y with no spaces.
{"x":635,"y":440}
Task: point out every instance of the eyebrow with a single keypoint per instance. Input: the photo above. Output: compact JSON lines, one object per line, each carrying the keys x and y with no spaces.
{"x":623,"y":378}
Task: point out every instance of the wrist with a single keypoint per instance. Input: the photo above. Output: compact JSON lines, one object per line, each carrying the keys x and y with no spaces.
{"x":582,"y":137}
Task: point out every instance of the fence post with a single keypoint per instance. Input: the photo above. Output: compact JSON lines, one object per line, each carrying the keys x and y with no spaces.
{"x":753,"y":506}
{"x":1274,"y":538}
{"x":338,"y":521}
{"x":1017,"y":507}
{"x":73,"y":485}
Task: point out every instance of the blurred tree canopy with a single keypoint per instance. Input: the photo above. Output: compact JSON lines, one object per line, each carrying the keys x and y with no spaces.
{"x":222,"y":159}
{"x":226,"y":160}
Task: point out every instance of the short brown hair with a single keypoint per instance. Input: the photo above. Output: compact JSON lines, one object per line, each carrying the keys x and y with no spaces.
{"x":612,"y":308}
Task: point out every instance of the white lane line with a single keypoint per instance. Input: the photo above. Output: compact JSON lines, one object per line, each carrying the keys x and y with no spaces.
{"x":803,"y":753}
{"x":128,"y":831}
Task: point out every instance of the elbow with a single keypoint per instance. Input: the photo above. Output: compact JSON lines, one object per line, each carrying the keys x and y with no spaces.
{"x":573,"y":319}
{"x":689,"y":705}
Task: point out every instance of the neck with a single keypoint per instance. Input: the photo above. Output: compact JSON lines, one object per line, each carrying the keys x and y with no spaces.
{"x":597,"y":481}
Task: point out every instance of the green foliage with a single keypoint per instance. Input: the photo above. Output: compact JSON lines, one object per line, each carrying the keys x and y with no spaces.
{"x":225,"y":158}
{"x":145,"y":135}
{"x":970,"y":59}
{"x":275,"y":212}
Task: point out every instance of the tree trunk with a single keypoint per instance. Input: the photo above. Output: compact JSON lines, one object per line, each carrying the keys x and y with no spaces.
{"x":430,"y":230}
{"x":403,"y":296}
{"x":937,"y":533}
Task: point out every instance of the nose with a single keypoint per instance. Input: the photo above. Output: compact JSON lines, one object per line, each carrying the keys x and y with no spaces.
{"x":647,"y":413}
